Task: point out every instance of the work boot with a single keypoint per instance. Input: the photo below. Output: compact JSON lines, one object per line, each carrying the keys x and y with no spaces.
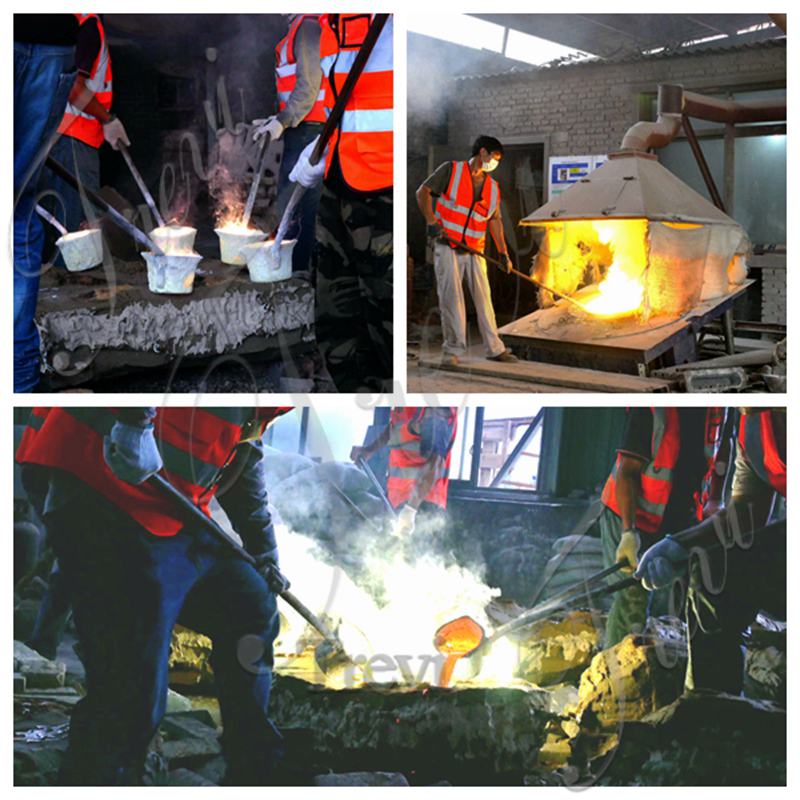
{"x":506,"y":357}
{"x":449,"y":361}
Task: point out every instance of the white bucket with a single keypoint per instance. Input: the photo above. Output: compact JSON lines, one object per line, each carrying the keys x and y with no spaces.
{"x":82,"y":249}
{"x":171,"y":274}
{"x":231,"y":243}
{"x":174,"y":238}
{"x":260,"y":263}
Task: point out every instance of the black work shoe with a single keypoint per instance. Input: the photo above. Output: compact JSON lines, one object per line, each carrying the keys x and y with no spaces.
{"x":506,"y":357}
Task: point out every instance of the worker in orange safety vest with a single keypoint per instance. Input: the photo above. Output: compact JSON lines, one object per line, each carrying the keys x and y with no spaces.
{"x":467,"y":206}
{"x":667,"y":466}
{"x":135,"y":564}
{"x":354,"y":251}
{"x":87,"y":122}
{"x":303,"y":60}
{"x":420,"y":441}
{"x":734,"y":565}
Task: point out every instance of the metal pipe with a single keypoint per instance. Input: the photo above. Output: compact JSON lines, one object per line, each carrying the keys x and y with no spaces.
{"x":646,"y":135}
{"x":713,"y":109}
{"x":137,"y":176}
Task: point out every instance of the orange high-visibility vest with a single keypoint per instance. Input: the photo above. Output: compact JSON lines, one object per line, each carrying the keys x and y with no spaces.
{"x":760,"y":447}
{"x":363,"y":143}
{"x":196,"y":445}
{"x":464,"y":219}
{"x":286,"y":66}
{"x":77,"y":123}
{"x":406,"y":460}
{"x":657,"y":476}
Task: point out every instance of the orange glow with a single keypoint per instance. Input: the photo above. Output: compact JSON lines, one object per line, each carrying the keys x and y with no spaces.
{"x":455,"y":640}
{"x":603,"y":261}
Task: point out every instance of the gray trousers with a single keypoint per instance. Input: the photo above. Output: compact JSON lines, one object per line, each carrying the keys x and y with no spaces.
{"x":452,"y":267}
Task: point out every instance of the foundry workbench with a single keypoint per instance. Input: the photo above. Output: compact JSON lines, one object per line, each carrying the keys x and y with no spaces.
{"x":106,"y":321}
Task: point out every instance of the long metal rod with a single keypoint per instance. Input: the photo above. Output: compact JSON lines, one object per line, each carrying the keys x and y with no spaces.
{"x":368,"y":471}
{"x":148,"y":198}
{"x":332,"y":122}
{"x":561,"y":600}
{"x":495,"y":262}
{"x":98,"y":201}
{"x":259,"y":174}
{"x":219,"y":534}
{"x":45,"y":214}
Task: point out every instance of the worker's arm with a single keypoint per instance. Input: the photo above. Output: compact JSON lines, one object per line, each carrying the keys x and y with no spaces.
{"x":425,"y":204}
{"x":367,"y":451}
{"x":82,"y":97}
{"x":629,"y":485}
{"x":308,"y":74}
{"x":245,"y":500}
{"x":499,"y":237}
{"x":748,"y":512}
{"x":427,"y":478}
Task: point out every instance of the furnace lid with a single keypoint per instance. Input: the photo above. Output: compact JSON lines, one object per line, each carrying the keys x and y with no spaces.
{"x":630,"y":184}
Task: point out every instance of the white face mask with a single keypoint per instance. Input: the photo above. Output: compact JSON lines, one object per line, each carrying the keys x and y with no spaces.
{"x":490,"y":165}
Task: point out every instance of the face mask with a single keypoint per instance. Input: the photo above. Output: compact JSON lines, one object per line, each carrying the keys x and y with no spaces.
{"x":490,"y":165}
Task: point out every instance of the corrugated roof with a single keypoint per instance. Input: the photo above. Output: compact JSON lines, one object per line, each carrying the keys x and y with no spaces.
{"x":630,"y":58}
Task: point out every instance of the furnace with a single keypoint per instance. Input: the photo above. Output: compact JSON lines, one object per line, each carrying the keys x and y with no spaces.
{"x":648,"y":258}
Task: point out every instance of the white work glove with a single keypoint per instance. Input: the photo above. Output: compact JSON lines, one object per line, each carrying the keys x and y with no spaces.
{"x":132,"y":453}
{"x":114,"y":132}
{"x":404,"y":522}
{"x":304,"y":173}
{"x":269,"y":126}
{"x":628,"y":549}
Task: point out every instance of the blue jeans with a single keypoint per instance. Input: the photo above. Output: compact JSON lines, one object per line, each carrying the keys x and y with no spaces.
{"x":128,"y":590}
{"x":43,"y":76}
{"x":303,"y":227}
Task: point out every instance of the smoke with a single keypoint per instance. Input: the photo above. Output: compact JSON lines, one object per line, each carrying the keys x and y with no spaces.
{"x":419,"y":593}
{"x":226,"y":194}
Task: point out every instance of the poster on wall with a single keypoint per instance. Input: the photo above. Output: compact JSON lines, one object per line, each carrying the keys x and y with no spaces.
{"x":566,"y":170}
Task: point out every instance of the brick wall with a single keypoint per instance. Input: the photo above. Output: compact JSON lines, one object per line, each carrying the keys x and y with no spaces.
{"x":586,"y":108}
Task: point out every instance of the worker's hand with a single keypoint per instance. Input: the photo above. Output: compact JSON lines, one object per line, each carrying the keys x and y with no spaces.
{"x":357,"y":453}
{"x":404,"y":522}
{"x":114,"y":133}
{"x":131,"y":452}
{"x":268,"y":568}
{"x":662,"y":564}
{"x":435,"y":229}
{"x":304,"y":172}
{"x":506,"y":259}
{"x":269,"y":126}
{"x":628,"y":549}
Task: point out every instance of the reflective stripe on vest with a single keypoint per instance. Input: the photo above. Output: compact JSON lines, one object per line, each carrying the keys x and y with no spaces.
{"x":286,"y":66}
{"x":196,"y":445}
{"x":464,"y":218}
{"x":656,"y":478}
{"x":364,"y":139}
{"x":760,"y":447}
{"x":406,"y":461}
{"x":76,"y":123}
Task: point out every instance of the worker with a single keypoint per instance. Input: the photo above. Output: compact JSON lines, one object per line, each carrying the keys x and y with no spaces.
{"x":667,"y":457}
{"x":44,"y":71}
{"x":88,"y":122}
{"x":303,"y":59}
{"x":135,"y":566}
{"x":420,"y":442}
{"x":735,"y":565}
{"x":354,"y":253}
{"x":467,"y":204}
